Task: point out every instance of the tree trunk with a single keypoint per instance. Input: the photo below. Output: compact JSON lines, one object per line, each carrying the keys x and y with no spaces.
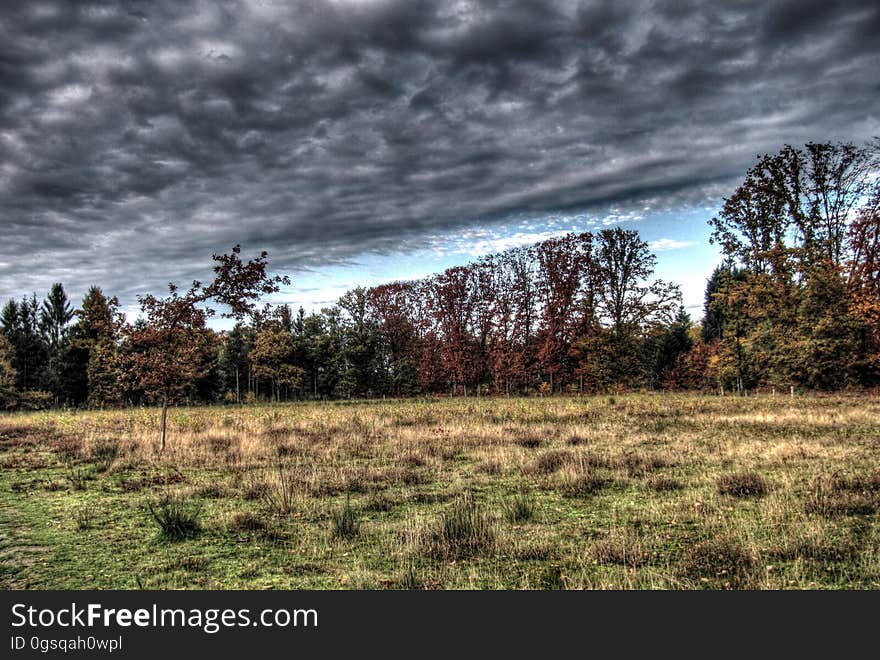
{"x":164,"y":420}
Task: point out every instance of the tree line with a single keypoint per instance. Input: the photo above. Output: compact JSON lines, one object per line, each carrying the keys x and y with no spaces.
{"x":796,"y":303}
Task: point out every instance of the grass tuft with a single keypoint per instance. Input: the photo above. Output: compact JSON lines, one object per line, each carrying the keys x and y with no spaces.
{"x":104,"y":453}
{"x":345,"y":522}
{"x":85,"y":517}
{"x":463,"y":530}
{"x":177,"y":518}
{"x":519,"y":508}
{"x":528,"y":441}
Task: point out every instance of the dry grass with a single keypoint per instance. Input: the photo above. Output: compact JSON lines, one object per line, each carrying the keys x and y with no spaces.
{"x":645,"y":491}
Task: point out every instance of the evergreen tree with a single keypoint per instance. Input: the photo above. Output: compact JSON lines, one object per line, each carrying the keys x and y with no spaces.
{"x":93,"y":340}
{"x":7,"y":374}
{"x":713,"y":311}
{"x":19,"y":323}
{"x":55,"y":315}
{"x":669,"y":344}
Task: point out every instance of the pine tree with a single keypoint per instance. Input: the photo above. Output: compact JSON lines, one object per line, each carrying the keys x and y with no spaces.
{"x":7,"y":374}
{"x":55,"y":314}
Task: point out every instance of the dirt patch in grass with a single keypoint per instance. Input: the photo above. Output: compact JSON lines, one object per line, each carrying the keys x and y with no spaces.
{"x":662,"y":484}
{"x":841,"y":497}
{"x":718,"y":563}
{"x":528,"y":441}
{"x":623,"y":550}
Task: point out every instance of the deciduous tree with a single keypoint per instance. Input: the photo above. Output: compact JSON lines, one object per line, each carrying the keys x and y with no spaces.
{"x":174,"y":342}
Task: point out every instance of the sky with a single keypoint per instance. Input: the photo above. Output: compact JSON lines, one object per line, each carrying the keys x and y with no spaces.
{"x":363,"y":141}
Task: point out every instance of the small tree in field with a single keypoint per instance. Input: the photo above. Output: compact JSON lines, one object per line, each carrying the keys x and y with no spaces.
{"x":169,"y":347}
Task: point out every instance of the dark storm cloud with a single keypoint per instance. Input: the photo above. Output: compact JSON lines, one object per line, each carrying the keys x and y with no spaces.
{"x":136,"y":138}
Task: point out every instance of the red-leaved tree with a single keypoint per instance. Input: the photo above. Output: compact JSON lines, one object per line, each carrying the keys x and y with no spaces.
{"x":171,"y":345}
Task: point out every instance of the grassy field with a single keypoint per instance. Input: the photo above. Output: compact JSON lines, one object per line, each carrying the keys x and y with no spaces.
{"x":633,"y":492}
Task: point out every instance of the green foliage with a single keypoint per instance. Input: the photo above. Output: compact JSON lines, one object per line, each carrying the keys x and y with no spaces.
{"x":7,"y":374}
{"x":796,"y":303}
{"x":796,"y":312}
{"x":104,"y":377}
{"x":272,"y":357}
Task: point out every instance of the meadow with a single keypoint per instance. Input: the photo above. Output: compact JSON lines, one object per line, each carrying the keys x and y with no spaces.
{"x":638,"y":491}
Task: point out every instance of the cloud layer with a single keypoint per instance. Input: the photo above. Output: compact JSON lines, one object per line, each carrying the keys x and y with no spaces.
{"x":136,"y":138}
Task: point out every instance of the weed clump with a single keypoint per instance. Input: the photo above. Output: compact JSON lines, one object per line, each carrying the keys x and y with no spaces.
{"x":639,"y":465}
{"x":519,"y":508}
{"x":68,"y":449}
{"x":255,"y":490}
{"x":865,"y":484}
{"x":529,"y":441}
{"x":379,"y":502}
{"x":85,"y":516}
{"x":464,"y":530}
{"x":220,"y":444}
{"x":345,"y":522}
{"x":177,"y":518}
{"x":104,"y":454}
{"x":210,"y":491}
{"x":552,"y":578}
{"x":280,"y":494}
{"x":663,"y":484}
{"x":489,"y":468}
{"x":843,"y":496}
{"x":79,"y":477}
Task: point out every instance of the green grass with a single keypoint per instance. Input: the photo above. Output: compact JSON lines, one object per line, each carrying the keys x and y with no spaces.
{"x":654,"y":491}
